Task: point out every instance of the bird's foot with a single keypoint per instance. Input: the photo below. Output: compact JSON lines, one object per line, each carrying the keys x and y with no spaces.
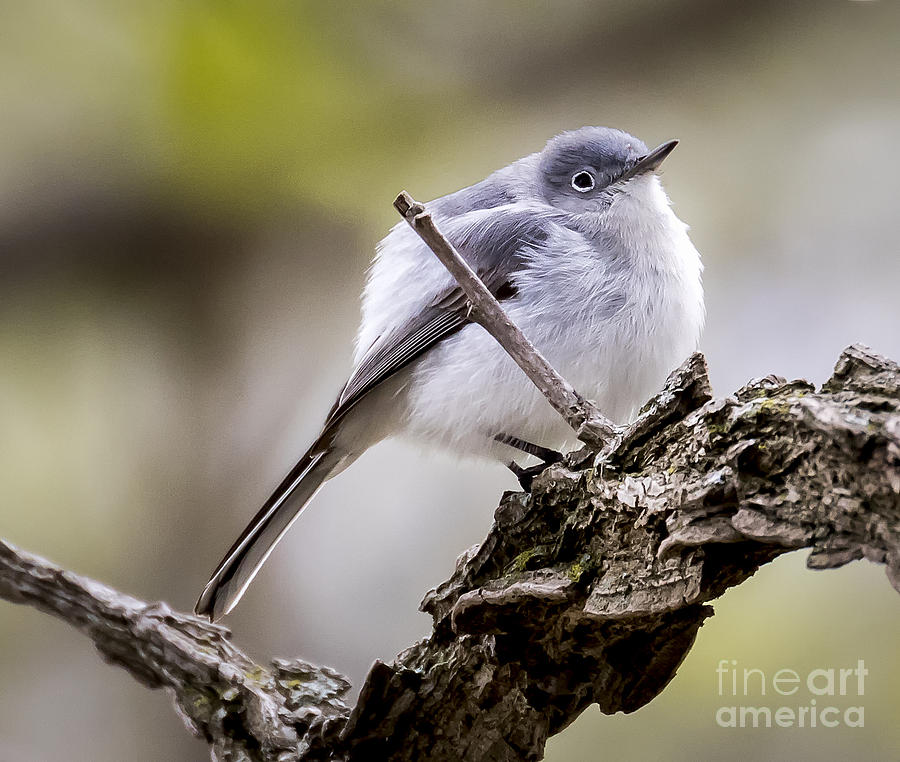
{"x":544,"y":453}
{"x":526,"y":475}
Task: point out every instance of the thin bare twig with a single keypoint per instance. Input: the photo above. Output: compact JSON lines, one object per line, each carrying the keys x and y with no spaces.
{"x":590,"y":425}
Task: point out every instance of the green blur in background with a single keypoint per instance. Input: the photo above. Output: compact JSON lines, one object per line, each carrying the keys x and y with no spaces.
{"x":190,"y":193}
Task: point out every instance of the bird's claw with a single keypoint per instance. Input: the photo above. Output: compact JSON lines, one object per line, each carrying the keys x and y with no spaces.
{"x":526,"y":476}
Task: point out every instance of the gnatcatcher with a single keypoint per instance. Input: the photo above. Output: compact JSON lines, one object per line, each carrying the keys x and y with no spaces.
{"x":582,"y":248}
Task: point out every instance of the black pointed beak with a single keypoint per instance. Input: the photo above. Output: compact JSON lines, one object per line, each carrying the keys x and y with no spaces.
{"x":651,"y":161}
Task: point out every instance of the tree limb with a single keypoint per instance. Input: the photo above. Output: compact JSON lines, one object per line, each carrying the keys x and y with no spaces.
{"x":244,"y":710}
{"x":589,"y":589}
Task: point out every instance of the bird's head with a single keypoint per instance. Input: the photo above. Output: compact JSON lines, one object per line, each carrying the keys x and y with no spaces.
{"x":586,"y":171}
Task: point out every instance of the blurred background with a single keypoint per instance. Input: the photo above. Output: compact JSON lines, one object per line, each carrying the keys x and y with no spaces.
{"x":190,"y":193}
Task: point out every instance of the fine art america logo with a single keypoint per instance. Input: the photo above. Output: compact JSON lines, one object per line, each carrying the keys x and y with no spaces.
{"x":790,"y":699}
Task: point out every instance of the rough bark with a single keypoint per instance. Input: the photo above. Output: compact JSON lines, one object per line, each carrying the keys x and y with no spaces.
{"x":589,"y":589}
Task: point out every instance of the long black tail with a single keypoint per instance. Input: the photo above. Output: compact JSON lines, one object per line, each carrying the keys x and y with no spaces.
{"x":241,"y":563}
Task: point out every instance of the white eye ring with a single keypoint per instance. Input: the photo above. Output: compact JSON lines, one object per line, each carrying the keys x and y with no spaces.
{"x":583,"y":181}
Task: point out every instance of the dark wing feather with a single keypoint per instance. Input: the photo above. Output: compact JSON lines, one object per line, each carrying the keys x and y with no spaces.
{"x":494,"y":245}
{"x":445,"y":317}
{"x":430,"y":326}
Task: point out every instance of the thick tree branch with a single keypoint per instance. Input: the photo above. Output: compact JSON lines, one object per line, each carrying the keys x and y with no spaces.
{"x":590,"y":589}
{"x":589,"y":424}
{"x":244,"y":710}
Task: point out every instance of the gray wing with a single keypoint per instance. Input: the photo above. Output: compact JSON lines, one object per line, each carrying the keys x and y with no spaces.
{"x":496,"y":246}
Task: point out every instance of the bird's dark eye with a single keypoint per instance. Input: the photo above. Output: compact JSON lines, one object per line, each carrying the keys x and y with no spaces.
{"x":583,"y":181}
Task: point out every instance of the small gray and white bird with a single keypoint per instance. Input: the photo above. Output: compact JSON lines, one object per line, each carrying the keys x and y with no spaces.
{"x":582,"y":248}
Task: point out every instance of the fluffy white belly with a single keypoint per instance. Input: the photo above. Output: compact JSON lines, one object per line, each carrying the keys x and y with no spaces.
{"x":467,"y":390}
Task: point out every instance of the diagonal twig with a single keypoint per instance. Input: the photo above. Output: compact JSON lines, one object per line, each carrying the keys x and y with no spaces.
{"x":590,"y":425}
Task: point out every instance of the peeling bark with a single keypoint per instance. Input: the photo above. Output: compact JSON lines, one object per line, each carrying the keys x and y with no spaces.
{"x":589,"y":589}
